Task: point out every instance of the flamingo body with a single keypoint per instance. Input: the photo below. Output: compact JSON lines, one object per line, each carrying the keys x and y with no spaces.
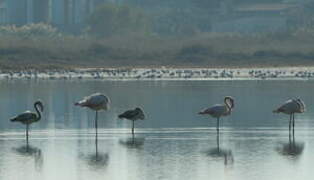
{"x":28,"y":117}
{"x":95,"y":102}
{"x":133,"y":115}
{"x":216,"y":111}
{"x":136,"y":114}
{"x":291,"y":106}
{"x":219,"y":110}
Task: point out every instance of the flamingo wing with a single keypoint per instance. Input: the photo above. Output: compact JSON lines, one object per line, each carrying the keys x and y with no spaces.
{"x":98,"y":99}
{"x":215,"y":111}
{"x":288,"y":107}
{"x":25,"y":118}
{"x":132,"y":115}
{"x":302,"y":107}
{"x":95,"y":101}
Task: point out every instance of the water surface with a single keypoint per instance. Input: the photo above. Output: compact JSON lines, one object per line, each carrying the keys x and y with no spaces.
{"x":174,"y":142}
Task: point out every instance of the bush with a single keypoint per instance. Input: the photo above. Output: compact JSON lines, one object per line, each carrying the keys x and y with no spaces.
{"x":29,"y":31}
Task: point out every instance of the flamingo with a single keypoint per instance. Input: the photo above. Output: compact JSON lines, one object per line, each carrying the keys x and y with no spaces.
{"x":219,"y":110}
{"x":133,"y":115}
{"x":291,"y":107}
{"x":96,"y":102}
{"x":28,"y":117}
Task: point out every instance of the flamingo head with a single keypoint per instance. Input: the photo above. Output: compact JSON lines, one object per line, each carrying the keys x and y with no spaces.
{"x":142,"y":115}
{"x":39,"y":104}
{"x":229,"y":101}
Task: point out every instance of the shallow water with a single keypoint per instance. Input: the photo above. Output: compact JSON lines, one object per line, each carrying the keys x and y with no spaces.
{"x":174,"y":142}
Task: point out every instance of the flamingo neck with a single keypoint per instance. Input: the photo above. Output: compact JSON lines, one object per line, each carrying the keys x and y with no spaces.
{"x":299,"y":104}
{"x":228,"y":105}
{"x":38,"y":112}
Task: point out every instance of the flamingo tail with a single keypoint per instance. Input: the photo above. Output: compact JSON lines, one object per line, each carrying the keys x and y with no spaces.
{"x":276,"y":111}
{"x":202,"y":112}
{"x":13,"y":119}
{"x":80,"y":103}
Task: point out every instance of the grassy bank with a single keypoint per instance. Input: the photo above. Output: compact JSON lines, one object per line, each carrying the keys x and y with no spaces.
{"x":201,"y":50}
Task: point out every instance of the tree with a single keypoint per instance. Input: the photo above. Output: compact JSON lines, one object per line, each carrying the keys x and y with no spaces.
{"x":110,"y":19}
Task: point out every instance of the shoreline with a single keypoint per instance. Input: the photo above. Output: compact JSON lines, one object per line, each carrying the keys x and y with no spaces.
{"x":167,"y":73}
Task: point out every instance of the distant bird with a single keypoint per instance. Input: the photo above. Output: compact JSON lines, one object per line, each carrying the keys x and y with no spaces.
{"x":290,"y":107}
{"x":28,"y":117}
{"x":96,"y":102}
{"x":219,"y":110}
{"x":133,"y":115}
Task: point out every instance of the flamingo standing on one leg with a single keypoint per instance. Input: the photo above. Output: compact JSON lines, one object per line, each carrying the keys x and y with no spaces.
{"x":219,"y":110}
{"x":96,"y":102}
{"x":290,"y":107}
{"x":28,"y":117}
{"x":133,"y":115}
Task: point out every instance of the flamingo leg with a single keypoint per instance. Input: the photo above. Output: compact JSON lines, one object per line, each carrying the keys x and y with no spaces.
{"x":27,"y":128}
{"x":293,"y":125}
{"x":217,"y":139}
{"x":289,"y":140}
{"x":293,"y":142}
{"x":96,"y":136}
{"x":290,"y":123}
{"x":217,"y":128}
{"x":133,"y":127}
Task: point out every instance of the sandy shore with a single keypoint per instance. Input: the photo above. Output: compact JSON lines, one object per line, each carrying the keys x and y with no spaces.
{"x":168,"y":74}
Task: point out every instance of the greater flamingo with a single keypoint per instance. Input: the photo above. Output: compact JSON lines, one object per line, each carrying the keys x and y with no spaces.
{"x":28,"y":117}
{"x":219,"y":110}
{"x":133,"y":115}
{"x":290,"y":107}
{"x":96,"y":102}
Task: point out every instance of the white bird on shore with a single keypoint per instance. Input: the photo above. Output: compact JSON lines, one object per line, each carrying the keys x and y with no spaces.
{"x":96,"y":102}
{"x":133,"y":115}
{"x":28,"y":117}
{"x":219,"y":110}
{"x":290,"y":107}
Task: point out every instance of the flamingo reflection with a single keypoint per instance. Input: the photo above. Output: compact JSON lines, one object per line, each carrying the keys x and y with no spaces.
{"x":32,"y":152}
{"x":133,"y":142}
{"x":291,"y":149}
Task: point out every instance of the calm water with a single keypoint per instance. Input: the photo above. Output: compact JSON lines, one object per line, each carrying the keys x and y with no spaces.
{"x":172,"y":143}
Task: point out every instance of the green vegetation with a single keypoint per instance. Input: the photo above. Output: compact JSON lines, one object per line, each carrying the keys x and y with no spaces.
{"x":204,"y":49}
{"x":125,"y":36}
